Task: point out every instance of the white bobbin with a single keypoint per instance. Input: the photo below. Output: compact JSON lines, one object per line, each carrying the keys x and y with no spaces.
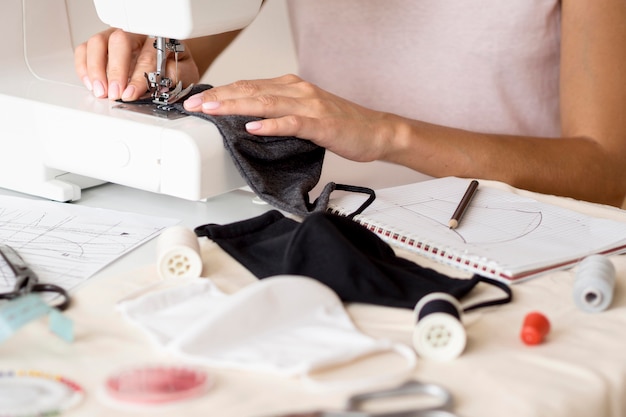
{"x":438,"y":335}
{"x":594,"y":283}
{"x":178,"y":253}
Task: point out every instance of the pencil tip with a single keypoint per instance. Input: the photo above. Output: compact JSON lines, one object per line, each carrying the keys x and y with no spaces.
{"x":452,"y":224}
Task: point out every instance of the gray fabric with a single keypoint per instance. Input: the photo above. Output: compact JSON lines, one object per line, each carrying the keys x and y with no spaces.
{"x":280,"y":170}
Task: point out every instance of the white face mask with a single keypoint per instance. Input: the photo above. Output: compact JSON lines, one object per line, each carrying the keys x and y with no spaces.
{"x":288,"y":325}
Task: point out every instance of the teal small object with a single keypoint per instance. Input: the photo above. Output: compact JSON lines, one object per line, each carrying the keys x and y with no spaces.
{"x":60,"y":325}
{"x":22,"y":310}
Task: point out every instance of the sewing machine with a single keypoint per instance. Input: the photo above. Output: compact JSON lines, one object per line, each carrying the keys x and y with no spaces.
{"x":57,"y":138}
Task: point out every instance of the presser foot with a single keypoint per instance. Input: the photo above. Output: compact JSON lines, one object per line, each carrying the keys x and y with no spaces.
{"x":162,"y":111}
{"x":167,"y":97}
{"x":161,"y":105}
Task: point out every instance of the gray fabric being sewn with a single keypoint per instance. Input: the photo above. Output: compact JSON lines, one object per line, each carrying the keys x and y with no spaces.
{"x":282,"y":171}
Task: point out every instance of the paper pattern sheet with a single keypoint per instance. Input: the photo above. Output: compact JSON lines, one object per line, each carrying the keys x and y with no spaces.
{"x":65,"y":244}
{"x":499,"y":229}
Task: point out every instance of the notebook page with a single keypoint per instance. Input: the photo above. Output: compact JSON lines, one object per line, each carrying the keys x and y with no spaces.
{"x":499,"y":229}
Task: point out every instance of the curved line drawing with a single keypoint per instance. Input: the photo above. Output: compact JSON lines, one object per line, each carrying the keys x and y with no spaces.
{"x":526,"y":223}
{"x":483,"y":225}
{"x":66,"y":244}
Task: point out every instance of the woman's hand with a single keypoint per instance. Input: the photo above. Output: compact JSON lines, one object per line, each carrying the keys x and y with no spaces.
{"x":112,"y":64}
{"x":291,"y":106}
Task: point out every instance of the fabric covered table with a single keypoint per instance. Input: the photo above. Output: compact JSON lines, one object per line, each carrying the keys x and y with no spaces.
{"x":580,"y":369}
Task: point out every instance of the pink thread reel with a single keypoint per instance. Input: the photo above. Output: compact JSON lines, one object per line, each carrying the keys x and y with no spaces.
{"x":439,"y":333}
{"x":535,"y":328}
{"x":157,"y":384}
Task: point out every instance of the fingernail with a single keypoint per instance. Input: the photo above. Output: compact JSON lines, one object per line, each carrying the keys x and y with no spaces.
{"x":210,"y":105}
{"x":114,"y":91}
{"x":193,"y":101}
{"x":254,"y":125}
{"x":98,"y":89}
{"x":128,"y":93}
{"x":87,"y":83}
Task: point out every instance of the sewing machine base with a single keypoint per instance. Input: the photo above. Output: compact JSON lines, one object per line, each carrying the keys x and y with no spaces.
{"x":63,"y":129}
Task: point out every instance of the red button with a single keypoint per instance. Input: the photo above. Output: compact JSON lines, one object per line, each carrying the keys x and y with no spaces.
{"x":536,"y":326}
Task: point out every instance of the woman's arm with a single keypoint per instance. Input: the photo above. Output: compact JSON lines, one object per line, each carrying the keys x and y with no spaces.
{"x":588,"y":162}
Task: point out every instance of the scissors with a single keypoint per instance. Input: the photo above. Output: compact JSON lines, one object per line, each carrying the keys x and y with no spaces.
{"x":354,"y":405}
{"x":26,"y":281}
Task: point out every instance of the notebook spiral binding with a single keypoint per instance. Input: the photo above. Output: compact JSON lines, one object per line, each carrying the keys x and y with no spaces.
{"x":446,"y":255}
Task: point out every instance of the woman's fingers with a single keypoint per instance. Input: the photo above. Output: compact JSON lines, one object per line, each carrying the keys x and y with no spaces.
{"x":92,"y":67}
{"x":113,"y":64}
{"x":263,"y":98}
{"x":145,"y":62}
{"x":104,"y":63}
{"x":290,"y":106}
{"x":122,"y":56}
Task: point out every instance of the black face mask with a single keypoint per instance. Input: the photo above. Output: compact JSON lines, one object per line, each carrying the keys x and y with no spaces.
{"x":353,"y":261}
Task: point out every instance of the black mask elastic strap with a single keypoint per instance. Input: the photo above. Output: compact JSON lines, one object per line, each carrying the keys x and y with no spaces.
{"x":357,"y":189}
{"x":498,"y":301}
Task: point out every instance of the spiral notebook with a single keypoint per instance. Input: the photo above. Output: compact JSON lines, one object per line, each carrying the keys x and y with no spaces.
{"x":502,"y":235}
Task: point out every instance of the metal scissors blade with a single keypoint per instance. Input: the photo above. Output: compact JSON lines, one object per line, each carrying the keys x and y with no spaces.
{"x":442,"y":397}
{"x":324,"y":414}
{"x":27,"y":281}
{"x":409,"y":413}
{"x":25,"y":278}
{"x":14,"y":260}
{"x":355,"y":405}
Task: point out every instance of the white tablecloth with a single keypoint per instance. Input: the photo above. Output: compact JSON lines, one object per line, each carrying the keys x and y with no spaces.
{"x":580,"y":369}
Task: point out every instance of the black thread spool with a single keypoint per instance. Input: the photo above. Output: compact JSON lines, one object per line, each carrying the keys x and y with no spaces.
{"x":439,"y":333}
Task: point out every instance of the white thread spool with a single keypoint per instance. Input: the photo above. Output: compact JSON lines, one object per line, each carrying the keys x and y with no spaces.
{"x":438,"y":333}
{"x":594,"y":283}
{"x":178,"y":253}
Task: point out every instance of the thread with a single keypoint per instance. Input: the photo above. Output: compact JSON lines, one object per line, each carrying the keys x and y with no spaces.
{"x":594,"y":284}
{"x":178,"y":253}
{"x":534,"y":328}
{"x":438,"y":333}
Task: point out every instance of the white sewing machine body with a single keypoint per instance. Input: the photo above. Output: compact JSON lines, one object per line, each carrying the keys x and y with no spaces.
{"x":57,"y":138}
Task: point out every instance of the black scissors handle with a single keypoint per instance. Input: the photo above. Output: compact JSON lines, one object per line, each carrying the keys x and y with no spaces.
{"x":42,"y":288}
{"x":51,"y":288}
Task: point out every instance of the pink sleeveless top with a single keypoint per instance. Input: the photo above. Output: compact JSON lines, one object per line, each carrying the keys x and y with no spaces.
{"x":489,"y":66}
